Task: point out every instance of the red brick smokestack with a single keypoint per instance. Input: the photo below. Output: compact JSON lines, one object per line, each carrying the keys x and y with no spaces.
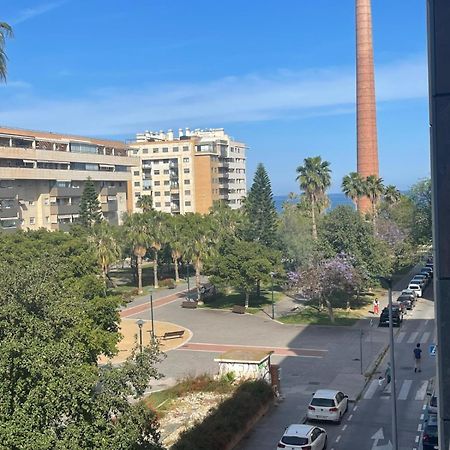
{"x":367,"y":147}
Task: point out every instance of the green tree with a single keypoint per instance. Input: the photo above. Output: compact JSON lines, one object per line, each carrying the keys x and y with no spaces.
{"x":420,"y":195}
{"x":136,"y":229}
{"x":145,"y":202}
{"x":260,"y":210}
{"x":90,"y":210}
{"x":176,"y":240}
{"x":352,"y":187}
{"x":391,"y":194}
{"x":314,"y":178}
{"x":157,"y":229}
{"x":374,"y":189}
{"x":242,"y":264}
{"x":5,"y":32}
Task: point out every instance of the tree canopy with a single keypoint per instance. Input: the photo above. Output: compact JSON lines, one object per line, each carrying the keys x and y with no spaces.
{"x":90,"y":210}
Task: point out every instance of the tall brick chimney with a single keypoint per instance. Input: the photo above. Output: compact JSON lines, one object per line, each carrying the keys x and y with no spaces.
{"x":367,"y":146}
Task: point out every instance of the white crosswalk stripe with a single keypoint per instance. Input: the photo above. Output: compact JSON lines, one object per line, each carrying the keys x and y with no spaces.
{"x":425,"y":337}
{"x":422,"y":391}
{"x":373,"y":386}
{"x":413,"y":337}
{"x":400,"y":337}
{"x":406,"y":386}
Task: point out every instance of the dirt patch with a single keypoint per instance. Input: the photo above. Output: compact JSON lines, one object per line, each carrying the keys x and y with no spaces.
{"x":130,"y":332}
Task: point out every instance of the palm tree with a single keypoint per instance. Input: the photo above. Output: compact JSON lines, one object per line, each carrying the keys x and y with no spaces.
{"x":136,"y":227}
{"x":373,"y":189}
{"x":314,"y":178}
{"x":157,"y":238}
{"x":391,"y":194}
{"x":175,"y":239}
{"x":352,"y":187}
{"x":5,"y":32}
{"x":145,"y":202}
{"x":103,"y":238}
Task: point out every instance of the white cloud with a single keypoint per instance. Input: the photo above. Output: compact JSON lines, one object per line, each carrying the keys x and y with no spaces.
{"x":247,"y":98}
{"x":30,"y":13}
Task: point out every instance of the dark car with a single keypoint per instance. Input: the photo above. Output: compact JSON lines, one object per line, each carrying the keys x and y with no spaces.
{"x":430,"y":433}
{"x":428,"y":271}
{"x":406,"y":300}
{"x":397,"y":317}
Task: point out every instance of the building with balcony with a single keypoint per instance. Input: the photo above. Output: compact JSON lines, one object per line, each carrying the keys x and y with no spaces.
{"x":190,"y":172}
{"x":42,"y":178}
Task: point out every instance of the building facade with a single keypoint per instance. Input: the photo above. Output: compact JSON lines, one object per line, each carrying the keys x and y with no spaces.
{"x":42,"y":177}
{"x":190,"y":172}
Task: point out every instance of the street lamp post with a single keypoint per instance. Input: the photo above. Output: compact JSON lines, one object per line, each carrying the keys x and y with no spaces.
{"x":151,"y":315}
{"x":388,"y":282}
{"x":140,"y":323}
{"x":272,"y":274}
{"x":188,"y":281}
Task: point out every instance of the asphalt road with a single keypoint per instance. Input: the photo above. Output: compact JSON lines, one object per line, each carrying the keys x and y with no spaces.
{"x":367,"y":426}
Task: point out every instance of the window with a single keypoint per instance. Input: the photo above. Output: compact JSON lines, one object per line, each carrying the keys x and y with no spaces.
{"x":165,"y":161}
{"x":47,"y":219}
{"x":32,"y":220}
{"x":186,"y":170}
{"x":135,"y":151}
{"x":187,"y":192}
{"x":156,"y":172}
{"x":157,"y":183}
{"x":185,"y":160}
{"x":167,"y":204}
{"x":157,"y":204}
{"x":166,"y":172}
{"x":185,"y":148}
{"x":137,"y":183}
{"x":157,"y":194}
{"x":156,"y":150}
{"x":165,"y":149}
{"x":187,"y":203}
{"x":31,"y":202}
{"x":187,"y":181}
{"x":137,"y":194}
{"x":145,"y":150}
{"x":155,"y":162}
{"x":136,"y":173}
{"x":175,"y":149}
{"x":166,"y":193}
{"x":76,"y":147}
{"x":166,"y":182}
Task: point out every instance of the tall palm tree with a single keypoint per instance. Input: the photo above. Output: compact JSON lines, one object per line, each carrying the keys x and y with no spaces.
{"x":107,"y":247}
{"x":157,"y":238}
{"x":136,"y":227}
{"x":145,"y":202}
{"x":391,"y":194}
{"x":353,"y":187}
{"x":374,"y":189}
{"x":5,"y":32}
{"x":314,"y":178}
{"x":175,"y":240}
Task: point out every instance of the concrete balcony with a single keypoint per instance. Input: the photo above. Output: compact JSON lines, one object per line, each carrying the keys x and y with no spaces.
{"x":11,"y":173}
{"x":175,"y":188}
{"x":112,"y":191}
{"x":64,"y":226}
{"x":66,"y":192}
{"x":175,"y":208}
{"x":111,"y":206}
{"x":64,"y":209}
{"x":9,"y":213}
{"x":7,"y":193}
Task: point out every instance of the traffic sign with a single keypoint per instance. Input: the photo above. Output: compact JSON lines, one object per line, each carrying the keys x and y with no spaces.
{"x":432,"y":350}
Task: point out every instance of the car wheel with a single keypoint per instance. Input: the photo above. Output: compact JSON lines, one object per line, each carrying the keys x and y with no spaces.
{"x":325,"y":444}
{"x":346,"y":407}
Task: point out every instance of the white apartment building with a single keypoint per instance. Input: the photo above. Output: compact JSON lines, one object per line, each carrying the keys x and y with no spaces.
{"x":188,"y":173}
{"x":42,"y":176}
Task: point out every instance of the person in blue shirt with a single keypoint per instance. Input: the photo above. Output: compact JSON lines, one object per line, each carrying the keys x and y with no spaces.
{"x":417,"y":358}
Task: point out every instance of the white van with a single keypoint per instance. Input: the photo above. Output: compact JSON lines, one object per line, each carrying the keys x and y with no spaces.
{"x":416,"y":288}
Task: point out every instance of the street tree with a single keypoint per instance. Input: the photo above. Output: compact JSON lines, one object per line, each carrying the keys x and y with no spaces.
{"x":145,"y":202}
{"x":175,"y":237}
{"x":259,"y":208}
{"x":391,"y":194}
{"x":90,"y":210}
{"x":242,"y":264}
{"x":374,"y":189}
{"x":157,"y":229}
{"x":420,"y":195}
{"x":353,"y":187}
{"x":314,"y":178}
{"x":5,"y":32}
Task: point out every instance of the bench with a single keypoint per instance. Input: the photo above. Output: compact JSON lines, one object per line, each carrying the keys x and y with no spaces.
{"x":238,"y":309}
{"x":172,"y":335}
{"x":188,"y":304}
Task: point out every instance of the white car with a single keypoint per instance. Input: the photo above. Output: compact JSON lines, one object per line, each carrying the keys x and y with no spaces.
{"x":416,"y":288}
{"x":298,"y":437}
{"x":327,"y":404}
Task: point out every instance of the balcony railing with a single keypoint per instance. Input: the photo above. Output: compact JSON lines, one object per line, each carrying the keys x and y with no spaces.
{"x":64,"y":209}
{"x":111,"y":206}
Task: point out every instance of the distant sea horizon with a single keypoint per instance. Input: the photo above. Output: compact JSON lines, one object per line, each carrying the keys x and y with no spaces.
{"x":336,"y":199}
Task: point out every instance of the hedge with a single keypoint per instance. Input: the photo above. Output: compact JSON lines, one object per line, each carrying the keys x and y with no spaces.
{"x":228,"y":419}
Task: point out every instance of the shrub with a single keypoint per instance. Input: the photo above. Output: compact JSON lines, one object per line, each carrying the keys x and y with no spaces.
{"x":168,"y":283}
{"x":228,"y":419}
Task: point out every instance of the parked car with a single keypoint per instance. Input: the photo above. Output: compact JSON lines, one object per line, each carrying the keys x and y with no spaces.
{"x":406,"y":300}
{"x":430,"y":433}
{"x":416,"y":287}
{"x":297,"y":437}
{"x":432,"y":403}
{"x":410,"y":294}
{"x":419,"y":280}
{"x":327,"y":404}
{"x":401,"y":306}
{"x":397,"y":317}
{"x":428,"y":271}
{"x":430,"y":264}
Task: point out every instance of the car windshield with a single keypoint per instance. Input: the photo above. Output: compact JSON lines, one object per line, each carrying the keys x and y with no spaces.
{"x":294,"y":440}
{"x":404,"y":299}
{"x":433,"y":401}
{"x":327,"y":402}
{"x":414,"y":286}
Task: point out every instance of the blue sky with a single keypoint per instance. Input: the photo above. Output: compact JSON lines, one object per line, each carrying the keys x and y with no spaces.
{"x":278,"y":75}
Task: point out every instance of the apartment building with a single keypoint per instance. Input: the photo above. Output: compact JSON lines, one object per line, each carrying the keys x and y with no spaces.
{"x":190,"y":172}
{"x":42,"y":176}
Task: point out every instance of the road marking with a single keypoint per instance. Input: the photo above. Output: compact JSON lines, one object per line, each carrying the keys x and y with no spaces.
{"x":419,"y":428}
{"x":373,"y":386}
{"x":421,"y":417}
{"x":338,"y":438}
{"x":425,"y":337}
{"x":413,"y":337}
{"x":350,"y":417}
{"x":400,"y":337}
{"x":355,"y":408}
{"x":406,"y":386}
{"x":424,"y":407}
{"x":344,"y":427}
{"x":422,"y":391}
{"x":417,"y":439}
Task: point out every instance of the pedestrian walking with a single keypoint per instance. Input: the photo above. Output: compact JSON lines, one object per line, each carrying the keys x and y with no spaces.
{"x":417,"y":358}
{"x":376,"y":307}
{"x":387,"y":373}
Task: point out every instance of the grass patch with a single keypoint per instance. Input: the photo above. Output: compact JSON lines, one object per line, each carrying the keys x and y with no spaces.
{"x":311,"y":316}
